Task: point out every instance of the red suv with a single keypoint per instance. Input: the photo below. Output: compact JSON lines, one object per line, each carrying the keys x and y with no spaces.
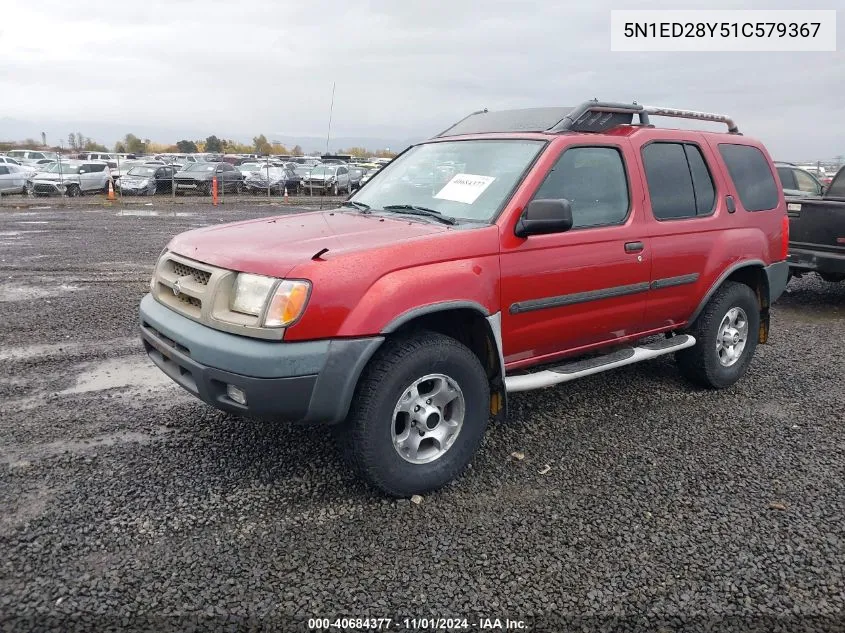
{"x":515,"y":250}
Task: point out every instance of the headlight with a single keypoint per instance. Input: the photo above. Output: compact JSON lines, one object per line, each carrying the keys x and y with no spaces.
{"x":288,"y":303}
{"x":251,"y":293}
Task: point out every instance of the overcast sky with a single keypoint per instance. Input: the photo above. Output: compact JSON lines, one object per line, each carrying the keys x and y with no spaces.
{"x":403,"y":68}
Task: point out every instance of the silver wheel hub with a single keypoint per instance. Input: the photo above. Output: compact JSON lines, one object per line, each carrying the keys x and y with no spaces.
{"x":732,"y":336}
{"x":428,"y":418}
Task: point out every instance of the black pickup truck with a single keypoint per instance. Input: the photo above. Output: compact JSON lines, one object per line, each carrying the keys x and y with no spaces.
{"x":817,"y":232}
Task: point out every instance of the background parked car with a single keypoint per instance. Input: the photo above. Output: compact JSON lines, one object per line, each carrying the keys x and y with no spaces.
{"x":147,"y":180}
{"x":274,"y":178}
{"x":198,"y":176}
{"x":71,"y":178}
{"x":355,"y":175}
{"x":26,"y":156}
{"x":333,"y":179}
{"x":367,"y":175}
{"x":13,"y":178}
{"x":8,"y":160}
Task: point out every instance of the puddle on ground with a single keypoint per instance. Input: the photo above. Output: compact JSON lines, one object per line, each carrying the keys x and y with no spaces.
{"x":23,"y":456}
{"x":33,"y":222}
{"x":22,"y":292}
{"x":137,"y":373}
{"x":69,"y":348}
{"x":151,"y":212}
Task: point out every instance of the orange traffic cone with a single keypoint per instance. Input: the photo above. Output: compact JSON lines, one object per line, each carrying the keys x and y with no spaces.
{"x":111,"y":190}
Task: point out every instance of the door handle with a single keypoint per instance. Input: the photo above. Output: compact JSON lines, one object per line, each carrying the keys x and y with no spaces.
{"x":634,"y":247}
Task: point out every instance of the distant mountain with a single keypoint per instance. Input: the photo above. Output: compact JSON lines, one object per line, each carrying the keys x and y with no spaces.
{"x":109,"y":133}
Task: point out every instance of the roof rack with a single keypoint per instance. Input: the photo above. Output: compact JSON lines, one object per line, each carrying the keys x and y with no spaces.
{"x":590,"y":116}
{"x":692,"y":114}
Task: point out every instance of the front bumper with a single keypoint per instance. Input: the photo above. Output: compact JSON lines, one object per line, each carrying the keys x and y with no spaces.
{"x":311,"y":381}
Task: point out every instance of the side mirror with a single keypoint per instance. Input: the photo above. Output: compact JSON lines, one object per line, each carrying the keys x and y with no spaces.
{"x":541,"y":217}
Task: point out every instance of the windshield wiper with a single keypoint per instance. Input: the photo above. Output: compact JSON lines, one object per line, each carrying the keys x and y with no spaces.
{"x":412,"y":209}
{"x":363,"y":208}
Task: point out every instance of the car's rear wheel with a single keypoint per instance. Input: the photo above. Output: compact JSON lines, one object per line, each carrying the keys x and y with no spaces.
{"x":726,"y":336}
{"x":419,"y":414}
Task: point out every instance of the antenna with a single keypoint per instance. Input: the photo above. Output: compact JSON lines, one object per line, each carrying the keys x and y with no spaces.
{"x":331,"y":111}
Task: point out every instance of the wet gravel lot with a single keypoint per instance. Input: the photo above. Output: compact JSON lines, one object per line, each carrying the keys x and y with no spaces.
{"x":640,"y":504}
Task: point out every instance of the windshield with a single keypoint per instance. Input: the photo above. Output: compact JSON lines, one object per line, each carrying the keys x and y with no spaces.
{"x":323,"y":171}
{"x":200,"y":167}
{"x":302,"y":171}
{"x":248,"y":167}
{"x":63,"y":168}
{"x":461,"y":179}
{"x":145,"y":172}
{"x":275,"y":172}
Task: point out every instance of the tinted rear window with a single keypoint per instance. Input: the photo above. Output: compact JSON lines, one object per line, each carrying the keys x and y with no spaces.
{"x":751,"y":175}
{"x":837,"y":187}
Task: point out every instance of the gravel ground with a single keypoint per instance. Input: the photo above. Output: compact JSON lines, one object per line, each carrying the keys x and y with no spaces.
{"x":129,"y":505}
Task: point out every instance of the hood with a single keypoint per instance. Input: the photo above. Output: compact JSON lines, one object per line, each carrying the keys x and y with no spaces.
{"x":273,"y":246}
{"x":51,"y":177}
{"x":193,"y":175}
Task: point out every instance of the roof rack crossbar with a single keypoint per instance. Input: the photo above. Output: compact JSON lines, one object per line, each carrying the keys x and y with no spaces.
{"x":692,"y":114}
{"x":583,"y":112}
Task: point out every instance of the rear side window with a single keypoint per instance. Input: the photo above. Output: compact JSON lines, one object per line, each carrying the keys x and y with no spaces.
{"x":679,"y":183}
{"x":3,"y":170}
{"x":593,"y":180}
{"x":751,"y":175}
{"x":806,"y":182}
{"x":787,"y":178}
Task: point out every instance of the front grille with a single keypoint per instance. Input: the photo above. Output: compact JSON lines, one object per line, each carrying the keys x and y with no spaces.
{"x":191,"y":301}
{"x":41,"y":188}
{"x":183,"y":270}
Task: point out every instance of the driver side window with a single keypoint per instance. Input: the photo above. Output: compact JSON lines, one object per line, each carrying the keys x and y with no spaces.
{"x":593,"y":179}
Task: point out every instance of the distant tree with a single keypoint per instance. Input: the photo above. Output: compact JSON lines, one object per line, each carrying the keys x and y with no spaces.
{"x":278,"y":148}
{"x":133,"y":145}
{"x":92,"y":146}
{"x":71,"y":141}
{"x":30,"y":142}
{"x":384,"y":153}
{"x":119,"y":147}
{"x":80,"y":140}
{"x":186,"y":147}
{"x":296,"y":151}
{"x":156,"y":148}
{"x":261,"y":144}
{"x":357,"y":152}
{"x":213,"y":144}
{"x":235,"y":147}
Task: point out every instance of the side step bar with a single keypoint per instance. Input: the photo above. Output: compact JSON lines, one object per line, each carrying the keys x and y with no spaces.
{"x":590,"y":366}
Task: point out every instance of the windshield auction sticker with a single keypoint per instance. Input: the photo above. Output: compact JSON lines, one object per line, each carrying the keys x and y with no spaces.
{"x":465,"y":188}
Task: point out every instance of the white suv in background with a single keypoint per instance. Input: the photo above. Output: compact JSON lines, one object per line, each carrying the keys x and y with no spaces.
{"x":71,"y":178}
{"x":25,"y":156}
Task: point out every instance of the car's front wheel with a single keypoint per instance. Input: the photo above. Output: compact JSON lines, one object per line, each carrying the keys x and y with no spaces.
{"x":419,"y":414}
{"x":726,"y":336}
{"x":73,"y":191}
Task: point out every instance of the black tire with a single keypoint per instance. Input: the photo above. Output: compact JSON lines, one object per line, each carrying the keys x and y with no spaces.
{"x":700,"y":363}
{"x":73,"y":191}
{"x":367,"y":435}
